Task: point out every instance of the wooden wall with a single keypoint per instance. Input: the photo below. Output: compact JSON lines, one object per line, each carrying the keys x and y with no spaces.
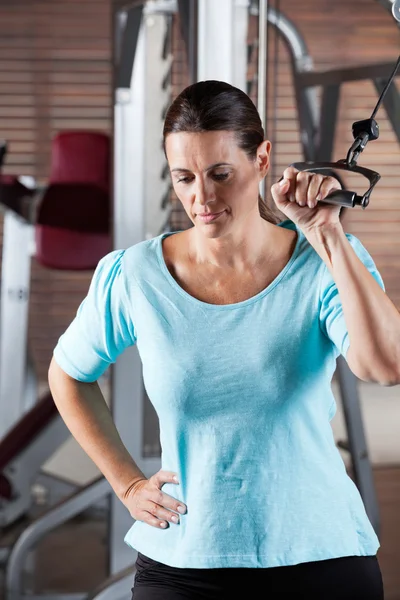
{"x":55,"y":74}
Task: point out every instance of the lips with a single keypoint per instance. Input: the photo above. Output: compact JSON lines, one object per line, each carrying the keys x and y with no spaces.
{"x":210,"y":214}
{"x":209,"y":217}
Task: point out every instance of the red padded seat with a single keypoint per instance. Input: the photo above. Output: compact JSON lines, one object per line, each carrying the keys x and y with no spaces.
{"x":73,"y":226}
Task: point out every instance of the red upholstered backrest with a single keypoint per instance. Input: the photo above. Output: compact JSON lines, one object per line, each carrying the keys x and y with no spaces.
{"x":73,"y":225}
{"x":81,"y":157}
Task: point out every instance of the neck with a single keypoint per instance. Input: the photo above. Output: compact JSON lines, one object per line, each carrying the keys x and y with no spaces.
{"x":237,"y":249}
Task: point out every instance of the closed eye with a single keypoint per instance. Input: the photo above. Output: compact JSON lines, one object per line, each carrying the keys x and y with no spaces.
{"x":216,"y":176}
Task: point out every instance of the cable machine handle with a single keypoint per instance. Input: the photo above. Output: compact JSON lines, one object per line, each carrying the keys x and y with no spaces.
{"x":345,"y":198}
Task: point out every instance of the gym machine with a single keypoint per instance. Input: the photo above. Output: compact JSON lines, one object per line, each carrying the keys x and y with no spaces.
{"x":65,"y":225}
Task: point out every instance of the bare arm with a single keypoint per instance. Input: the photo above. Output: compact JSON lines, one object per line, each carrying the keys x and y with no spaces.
{"x":372,"y":319}
{"x":87,"y":416}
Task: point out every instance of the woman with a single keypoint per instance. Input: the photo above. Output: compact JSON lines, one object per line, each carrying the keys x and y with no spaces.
{"x":238,"y":322}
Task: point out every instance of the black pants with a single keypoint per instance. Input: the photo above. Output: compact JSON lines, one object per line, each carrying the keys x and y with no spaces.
{"x":347,"y":578}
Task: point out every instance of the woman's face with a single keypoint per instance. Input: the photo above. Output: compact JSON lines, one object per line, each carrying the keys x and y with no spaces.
{"x":211,"y":174}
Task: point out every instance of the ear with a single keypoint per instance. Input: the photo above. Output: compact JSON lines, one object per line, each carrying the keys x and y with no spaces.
{"x":263,"y":158}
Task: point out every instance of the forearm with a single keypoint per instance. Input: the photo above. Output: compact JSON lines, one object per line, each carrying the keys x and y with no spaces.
{"x":87,"y":416}
{"x":372,"y":320}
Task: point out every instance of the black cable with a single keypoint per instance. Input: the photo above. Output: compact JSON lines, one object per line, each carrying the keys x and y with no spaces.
{"x":386,"y":89}
{"x":366,"y":130}
{"x":3,"y":152}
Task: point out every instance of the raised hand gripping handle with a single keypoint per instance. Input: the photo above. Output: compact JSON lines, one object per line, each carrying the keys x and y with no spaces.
{"x":345,"y":198}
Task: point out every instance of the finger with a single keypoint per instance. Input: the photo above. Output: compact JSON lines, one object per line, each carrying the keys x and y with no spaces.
{"x":146,"y":511}
{"x":328,"y":185}
{"x":160,"y":511}
{"x":148,"y":517}
{"x":302,"y":182}
{"x":314,"y":189}
{"x":163,"y":516}
{"x":155,"y":508}
{"x":167,"y":501}
{"x":162,"y":477}
{"x":157,"y":496}
{"x":290,"y":173}
{"x":280,"y":190}
{"x":154,"y":514}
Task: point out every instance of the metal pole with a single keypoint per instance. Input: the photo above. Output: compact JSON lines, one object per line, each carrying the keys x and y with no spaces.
{"x":262,"y":61}
{"x":222,"y":49}
{"x":262,"y":70}
{"x":188,"y":11}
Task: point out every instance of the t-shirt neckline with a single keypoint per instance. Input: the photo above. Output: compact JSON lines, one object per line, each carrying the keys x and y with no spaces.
{"x":235,"y":305}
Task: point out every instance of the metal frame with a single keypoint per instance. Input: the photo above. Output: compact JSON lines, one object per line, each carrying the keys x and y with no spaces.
{"x":188,"y":10}
{"x":18,"y":386}
{"x":222,"y":51}
{"x":393,"y":6}
{"x":262,"y":63}
{"x":129,"y":229}
{"x":56,"y":516}
{"x":23,"y":471}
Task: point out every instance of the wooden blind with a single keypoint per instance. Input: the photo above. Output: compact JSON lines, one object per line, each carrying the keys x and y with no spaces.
{"x":55,"y":74}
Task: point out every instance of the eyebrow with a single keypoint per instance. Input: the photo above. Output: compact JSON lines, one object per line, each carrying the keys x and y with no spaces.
{"x":205,"y":170}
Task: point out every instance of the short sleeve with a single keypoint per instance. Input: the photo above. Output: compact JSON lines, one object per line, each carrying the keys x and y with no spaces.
{"x":102,"y":328}
{"x":331,"y":314}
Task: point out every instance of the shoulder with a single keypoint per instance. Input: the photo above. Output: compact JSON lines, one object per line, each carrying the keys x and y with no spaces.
{"x":141,"y":257}
{"x":173,"y":247}
{"x":108,"y":267}
{"x":124,"y":261}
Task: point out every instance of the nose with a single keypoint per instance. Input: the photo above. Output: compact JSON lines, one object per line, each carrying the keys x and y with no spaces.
{"x":204,"y":192}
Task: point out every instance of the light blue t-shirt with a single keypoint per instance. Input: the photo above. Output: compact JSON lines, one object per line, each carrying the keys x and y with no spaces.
{"x":244,"y":399}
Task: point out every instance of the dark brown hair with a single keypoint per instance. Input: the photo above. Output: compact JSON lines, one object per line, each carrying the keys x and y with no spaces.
{"x":219,"y":106}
